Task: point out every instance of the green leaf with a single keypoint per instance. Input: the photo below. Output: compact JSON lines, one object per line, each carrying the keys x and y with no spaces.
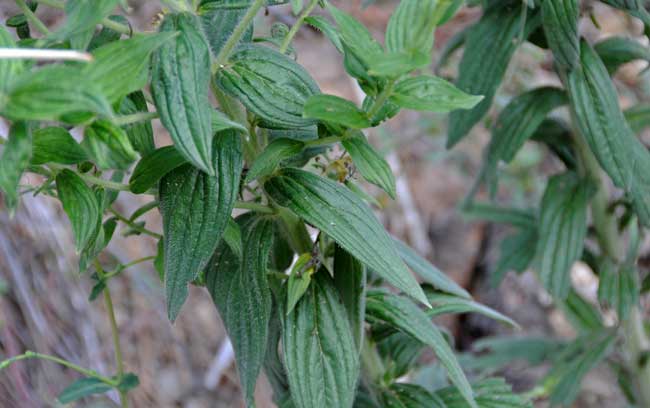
{"x":196,"y":208}
{"x":120,"y":67}
{"x":319,"y":349}
{"x":601,"y":122}
{"x":219,"y":19}
{"x":489,"y":46}
{"x":108,"y":146}
{"x":519,"y":120}
{"x":276,"y":152}
{"x":129,"y":382}
{"x":618,"y":289}
{"x":410,"y":28}
{"x":401,"y":395}
{"x":140,"y":134}
{"x":240,"y":290}
{"x":107,"y":35}
{"x":562,"y":230}
{"x":180,"y":82}
{"x":82,"y":15}
{"x":501,"y":351}
{"x":490,"y":393}
{"x":517,"y":251}
{"x":222,"y":122}
{"x":340,"y":214}
{"x":446,"y":9}
{"x":13,"y":162}
{"x":573,"y":363}
{"x":354,"y":35}
{"x":396,"y":64}
{"x":270,"y":84}
{"x":81,"y":388}
{"x":153,"y":166}
{"x":442,"y":303}
{"x":582,"y":314}
{"x":428,"y":272}
{"x":560,"y":22}
{"x":501,"y":215}
{"x":331,"y":108}
{"x":433,"y":94}
{"x":638,"y":117}
{"x":616,"y":51}
{"x":407,"y":317}
{"x":232,"y":237}
{"x":81,"y":206}
{"x":56,"y":145}
{"x":350,"y":281}
{"x":327,"y":28}
{"x":52,"y":92}
{"x":372,"y":166}
{"x":9,"y":68}
{"x":299,"y":280}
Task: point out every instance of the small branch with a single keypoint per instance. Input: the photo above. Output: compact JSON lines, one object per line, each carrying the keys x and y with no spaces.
{"x":381,"y":99}
{"x":236,"y":35}
{"x":121,"y":268}
{"x":260,"y":208}
{"x":110,"y":185}
{"x":135,"y":118}
{"x":29,"y":14}
{"x":133,"y":225}
{"x":44,"y":55}
{"x":84,"y":371}
{"x":294,"y":29}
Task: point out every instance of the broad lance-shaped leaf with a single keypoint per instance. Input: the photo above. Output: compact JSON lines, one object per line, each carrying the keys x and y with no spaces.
{"x":82,"y":15}
{"x":616,"y":51}
{"x":270,"y":85}
{"x":410,"y":28}
{"x":562,"y":230}
{"x":401,"y":395}
{"x":56,"y":145}
{"x":350,"y":281}
{"x":13,"y":162}
{"x":354,"y":35}
{"x":560,"y":21}
{"x":324,"y":26}
{"x":618,"y":289}
{"x":219,"y":19}
{"x":121,"y":67}
{"x":489,"y":46}
{"x":601,"y":122}
{"x":196,"y":208}
{"x":81,"y":206}
{"x":320,"y":354}
{"x":276,"y":151}
{"x":425,"y":270}
{"x":331,"y":108}
{"x":52,"y":92}
{"x":180,"y":82}
{"x":81,"y":388}
{"x":433,"y":94}
{"x":404,"y":315}
{"x":108,"y":146}
{"x":153,"y":166}
{"x":372,"y":166}
{"x":442,"y":303}
{"x":140,"y":134}
{"x":490,"y":393}
{"x":339,"y":213}
{"x":240,"y":290}
{"x":516,"y":253}
{"x":9,"y":68}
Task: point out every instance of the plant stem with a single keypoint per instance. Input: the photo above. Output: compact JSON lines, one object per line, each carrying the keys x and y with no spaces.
{"x":133,"y":224}
{"x":135,"y":118}
{"x":38,"y":24}
{"x":113,"y":25}
{"x":121,"y":268}
{"x":119,"y":361}
{"x":637,"y":344}
{"x":294,"y":29}
{"x":84,"y":371}
{"x":381,"y":99}
{"x":108,"y":184}
{"x":242,"y":205}
{"x":324,"y":141}
{"x":236,"y":35}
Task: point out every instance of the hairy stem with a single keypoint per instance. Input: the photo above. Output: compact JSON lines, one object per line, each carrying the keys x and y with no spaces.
{"x":133,"y":225}
{"x":294,"y":29}
{"x":84,"y":371}
{"x":119,"y":361}
{"x":236,"y":35}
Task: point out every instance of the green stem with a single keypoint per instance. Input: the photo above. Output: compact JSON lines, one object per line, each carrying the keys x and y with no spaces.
{"x":119,"y":361}
{"x":84,"y":371}
{"x":133,"y":225}
{"x":237,"y":34}
{"x":294,"y":30}
{"x":381,"y":99}
{"x":121,"y":268}
{"x":135,"y":118}
{"x":324,"y":141}
{"x":110,"y":185}
{"x":38,"y":24}
{"x":637,"y":344}
{"x":242,"y":205}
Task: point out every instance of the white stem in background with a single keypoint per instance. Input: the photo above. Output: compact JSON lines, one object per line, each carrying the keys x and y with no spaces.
{"x":44,"y":55}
